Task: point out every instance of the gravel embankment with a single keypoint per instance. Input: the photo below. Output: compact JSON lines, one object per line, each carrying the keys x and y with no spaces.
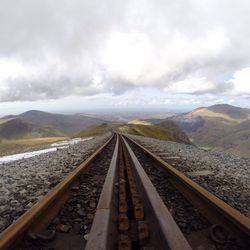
{"x":186,"y":216}
{"x":72,"y":225}
{"x":224,"y":175}
{"x":24,"y":182}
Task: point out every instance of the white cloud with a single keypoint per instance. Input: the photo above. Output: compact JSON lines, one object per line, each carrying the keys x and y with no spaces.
{"x":241,"y":82}
{"x":137,"y":58}
{"x":191,"y":85}
{"x":54,"y":49}
{"x":127,"y":56}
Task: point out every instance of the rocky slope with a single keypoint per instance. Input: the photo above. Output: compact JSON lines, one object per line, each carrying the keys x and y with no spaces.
{"x":219,"y":127}
{"x":25,"y":181}
{"x":175,"y":131}
{"x":224,"y":175}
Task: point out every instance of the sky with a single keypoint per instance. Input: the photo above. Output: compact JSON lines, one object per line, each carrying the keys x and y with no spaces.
{"x":158,"y":55}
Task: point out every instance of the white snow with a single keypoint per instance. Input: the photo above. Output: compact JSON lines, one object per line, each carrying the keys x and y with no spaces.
{"x":70,"y":142}
{"x":25,"y":155}
{"x":54,"y":147}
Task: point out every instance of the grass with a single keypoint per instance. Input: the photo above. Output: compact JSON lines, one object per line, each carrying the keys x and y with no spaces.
{"x":140,"y":122}
{"x":95,"y":130}
{"x":149,"y":130}
{"x":9,"y":147}
{"x":153,"y":131}
{"x":208,"y":113}
{"x":3,"y":120}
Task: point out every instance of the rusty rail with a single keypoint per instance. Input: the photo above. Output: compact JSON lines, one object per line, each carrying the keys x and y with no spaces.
{"x":111,"y":221}
{"x":213,"y":208}
{"x":42,"y":213}
{"x":128,"y":190}
{"x":164,"y":231}
{"x":103,"y":233}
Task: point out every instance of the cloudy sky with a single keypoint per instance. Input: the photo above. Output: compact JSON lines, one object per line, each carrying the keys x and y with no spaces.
{"x":113,"y":54}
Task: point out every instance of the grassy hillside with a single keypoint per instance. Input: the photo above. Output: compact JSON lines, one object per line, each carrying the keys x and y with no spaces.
{"x":69,"y":124}
{"x":231,"y":111}
{"x":241,"y":149}
{"x":211,"y":131}
{"x":152,"y":130}
{"x":96,"y":130}
{"x":19,"y":129}
{"x":175,"y":131}
{"x":34,"y":130}
{"x":220,"y":127}
{"x":3,"y":120}
{"x":221,"y":135}
{"x":14,"y":129}
{"x":137,"y":127}
{"x":236,"y":140}
{"x":35,"y":124}
{"x":8,"y":147}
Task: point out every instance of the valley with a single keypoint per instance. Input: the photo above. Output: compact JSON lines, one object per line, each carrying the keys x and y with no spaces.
{"x":218,"y":128}
{"x":36,"y":130}
{"x":222,"y":128}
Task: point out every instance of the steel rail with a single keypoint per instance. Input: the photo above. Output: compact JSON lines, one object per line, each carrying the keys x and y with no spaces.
{"x":163,"y":230}
{"x":103,"y":233}
{"x":42,"y":213}
{"x":213,"y":208}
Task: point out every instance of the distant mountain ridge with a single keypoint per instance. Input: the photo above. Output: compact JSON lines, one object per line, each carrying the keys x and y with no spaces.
{"x":168,"y":130}
{"x":18,"y":129}
{"x":165,"y":130}
{"x":232,"y":111}
{"x":221,"y":127}
{"x":175,"y":131}
{"x":39,"y":123}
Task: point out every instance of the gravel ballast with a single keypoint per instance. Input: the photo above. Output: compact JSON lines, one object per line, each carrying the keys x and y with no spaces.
{"x":73,"y":223}
{"x":25,"y":181}
{"x":226,"y":176}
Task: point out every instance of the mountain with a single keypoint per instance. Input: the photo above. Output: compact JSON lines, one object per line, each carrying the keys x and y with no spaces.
{"x":175,"y":131}
{"x":14,"y":129}
{"x":221,"y":127}
{"x":231,"y":111}
{"x":97,"y":130}
{"x":166,"y":130}
{"x":36,"y":123}
{"x":66,"y":123}
{"x":18,"y":129}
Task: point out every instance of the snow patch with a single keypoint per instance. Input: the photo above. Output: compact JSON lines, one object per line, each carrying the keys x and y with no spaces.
{"x":54,"y":147}
{"x":25,"y":155}
{"x":70,"y":142}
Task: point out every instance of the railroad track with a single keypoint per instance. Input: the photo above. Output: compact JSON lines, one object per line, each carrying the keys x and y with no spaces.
{"x":132,"y":212}
{"x":213,"y":215}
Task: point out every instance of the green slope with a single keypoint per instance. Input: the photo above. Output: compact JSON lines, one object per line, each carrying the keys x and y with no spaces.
{"x":19,"y":129}
{"x":175,"y":131}
{"x":95,"y":130}
{"x":136,"y":129}
{"x":152,"y":130}
{"x":172,"y":133}
{"x":8,"y":147}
